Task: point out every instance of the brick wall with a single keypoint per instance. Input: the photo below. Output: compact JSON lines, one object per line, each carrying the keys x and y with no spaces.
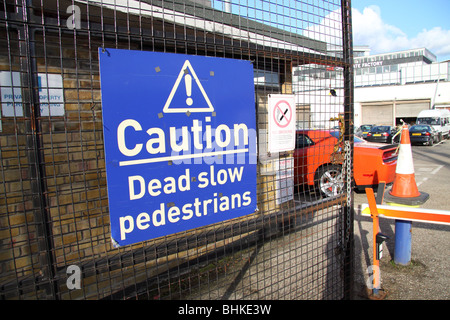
{"x":74,"y":181}
{"x":73,"y":165}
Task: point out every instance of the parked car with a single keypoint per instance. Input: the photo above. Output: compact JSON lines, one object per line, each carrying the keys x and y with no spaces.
{"x":363,"y":130}
{"x":313,"y":165}
{"x":423,"y":134}
{"x":383,"y":134}
{"x":439,"y":119}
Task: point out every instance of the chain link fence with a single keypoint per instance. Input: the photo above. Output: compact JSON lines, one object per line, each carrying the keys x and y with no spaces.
{"x":55,"y":227}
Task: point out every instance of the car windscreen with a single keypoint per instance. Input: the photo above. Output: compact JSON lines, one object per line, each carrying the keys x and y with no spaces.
{"x":419,"y":128}
{"x":380,"y":129}
{"x":336,"y":135}
{"x":429,"y":120}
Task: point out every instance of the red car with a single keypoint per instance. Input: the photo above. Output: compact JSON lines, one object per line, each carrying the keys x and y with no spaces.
{"x":373,"y":162}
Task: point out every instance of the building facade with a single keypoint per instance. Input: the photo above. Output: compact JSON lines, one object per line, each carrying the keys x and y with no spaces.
{"x":389,"y":88}
{"x":396,"y":86}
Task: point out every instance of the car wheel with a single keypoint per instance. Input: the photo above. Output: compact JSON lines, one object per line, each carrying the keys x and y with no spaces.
{"x":330,"y":181}
{"x":430,"y":143}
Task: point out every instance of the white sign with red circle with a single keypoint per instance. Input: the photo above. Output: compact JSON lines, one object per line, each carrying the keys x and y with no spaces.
{"x":281,"y":135}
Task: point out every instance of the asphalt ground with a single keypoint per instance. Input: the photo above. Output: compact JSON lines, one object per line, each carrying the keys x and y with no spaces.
{"x":427,"y":277}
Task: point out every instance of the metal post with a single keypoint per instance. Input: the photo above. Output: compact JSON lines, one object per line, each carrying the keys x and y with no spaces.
{"x":378,"y":238}
{"x":402,"y":252}
{"x":346,"y":17}
{"x":376,"y":261}
{"x":29,"y":74}
{"x":375,"y":230}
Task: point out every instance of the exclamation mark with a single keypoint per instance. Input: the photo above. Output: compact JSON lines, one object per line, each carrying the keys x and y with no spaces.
{"x":188,"y":83}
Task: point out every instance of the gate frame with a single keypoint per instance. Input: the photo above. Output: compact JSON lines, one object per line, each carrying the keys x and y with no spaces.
{"x":50,"y":277}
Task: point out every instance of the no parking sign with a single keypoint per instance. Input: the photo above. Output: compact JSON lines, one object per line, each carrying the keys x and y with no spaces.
{"x":281,"y":122}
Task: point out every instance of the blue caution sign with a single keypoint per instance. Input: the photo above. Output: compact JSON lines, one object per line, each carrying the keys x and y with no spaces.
{"x":180,"y":141}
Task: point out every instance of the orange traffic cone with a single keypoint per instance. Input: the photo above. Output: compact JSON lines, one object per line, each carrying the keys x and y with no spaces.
{"x":404,"y":190}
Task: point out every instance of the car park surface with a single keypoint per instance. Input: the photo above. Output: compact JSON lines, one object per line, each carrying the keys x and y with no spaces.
{"x":428,"y":275}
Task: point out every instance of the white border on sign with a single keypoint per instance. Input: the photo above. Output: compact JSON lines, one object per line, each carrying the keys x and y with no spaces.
{"x":281,"y":138}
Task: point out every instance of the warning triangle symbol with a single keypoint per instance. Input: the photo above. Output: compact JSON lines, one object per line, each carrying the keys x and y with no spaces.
{"x":188,"y":74}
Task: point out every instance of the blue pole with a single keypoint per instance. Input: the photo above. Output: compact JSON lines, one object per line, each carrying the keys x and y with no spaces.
{"x":402,"y":252}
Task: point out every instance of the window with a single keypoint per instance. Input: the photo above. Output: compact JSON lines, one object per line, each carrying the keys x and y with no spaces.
{"x":356,"y":139}
{"x":429,"y":120}
{"x":303,"y":141}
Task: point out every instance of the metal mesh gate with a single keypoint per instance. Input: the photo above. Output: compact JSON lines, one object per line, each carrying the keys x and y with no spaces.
{"x":54,"y":216}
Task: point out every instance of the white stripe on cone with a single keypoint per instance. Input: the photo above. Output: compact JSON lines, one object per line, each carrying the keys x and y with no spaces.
{"x":405,"y":160}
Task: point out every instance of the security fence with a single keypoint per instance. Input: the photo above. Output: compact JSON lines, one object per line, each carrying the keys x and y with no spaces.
{"x":57,"y":201}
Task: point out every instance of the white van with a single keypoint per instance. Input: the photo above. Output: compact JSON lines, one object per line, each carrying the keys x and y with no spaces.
{"x":439,"y":119}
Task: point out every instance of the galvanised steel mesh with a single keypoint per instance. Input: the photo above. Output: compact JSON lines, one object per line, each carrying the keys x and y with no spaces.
{"x":55,"y":213}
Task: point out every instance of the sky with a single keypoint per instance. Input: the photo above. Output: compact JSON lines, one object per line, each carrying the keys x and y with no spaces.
{"x":394,"y":25}
{"x":383,"y":25}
